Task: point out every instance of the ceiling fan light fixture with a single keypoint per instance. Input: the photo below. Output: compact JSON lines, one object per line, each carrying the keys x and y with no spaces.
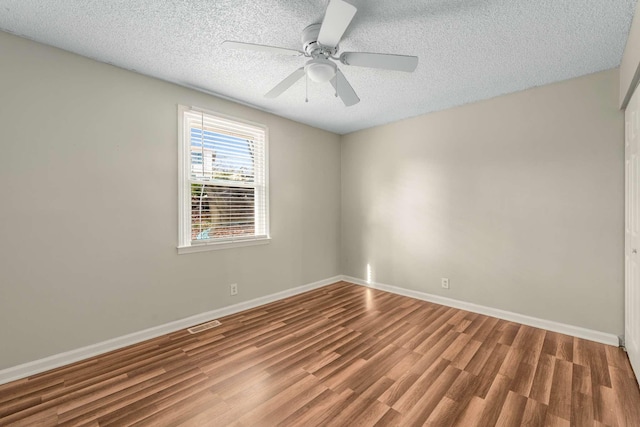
{"x":320,"y":70}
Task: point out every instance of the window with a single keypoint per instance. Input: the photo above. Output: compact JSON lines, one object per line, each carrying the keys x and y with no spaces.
{"x":223,"y":182}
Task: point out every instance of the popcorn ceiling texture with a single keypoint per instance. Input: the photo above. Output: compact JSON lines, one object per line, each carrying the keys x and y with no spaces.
{"x":469,"y":49}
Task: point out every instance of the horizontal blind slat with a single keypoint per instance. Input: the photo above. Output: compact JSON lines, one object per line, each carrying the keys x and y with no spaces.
{"x":226,"y":127}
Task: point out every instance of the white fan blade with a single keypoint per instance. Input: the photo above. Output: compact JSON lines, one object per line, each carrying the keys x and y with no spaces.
{"x":344,"y":89}
{"x":286,"y":83}
{"x":380,"y":60}
{"x":261,"y":48}
{"x":336,"y":20}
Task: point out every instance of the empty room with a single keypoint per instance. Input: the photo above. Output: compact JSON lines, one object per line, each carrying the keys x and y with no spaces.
{"x":319,"y":213}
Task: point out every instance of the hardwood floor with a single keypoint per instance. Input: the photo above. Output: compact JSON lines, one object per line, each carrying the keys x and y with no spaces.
{"x":342,"y":355}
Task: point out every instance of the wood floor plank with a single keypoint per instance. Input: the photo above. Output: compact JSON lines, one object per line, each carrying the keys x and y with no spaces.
{"x":466,"y":354}
{"x":311,"y":413}
{"x":534,"y":414}
{"x":375,"y":368}
{"x":207,"y":416}
{"x":26,"y":388}
{"x":471,"y":414}
{"x":560,"y":396}
{"x":617,"y":358}
{"x":429,"y":400}
{"x":48,"y":417}
{"x":581,"y":380}
{"x":551,"y":343}
{"x":523,"y":377}
{"x":258,"y":392}
{"x":444,"y":414}
{"x":399,"y":388}
{"x":464,"y":386}
{"x":541,"y":386}
{"x":284,"y":404}
{"x":495,"y":400}
{"x":456,"y":347}
{"x":490,"y":369}
{"x":412,"y":395}
{"x":404,"y":365}
{"x":466,"y":321}
{"x":340,"y":355}
{"x":134,"y":398}
{"x":606,"y":405}
{"x":390,"y":419}
{"x":511,"y":362}
{"x":627,"y":395}
{"x":177,"y":412}
{"x":554,"y":421}
{"x":361,"y":412}
{"x":376,"y":389}
{"x":512,"y":410}
{"x":509,"y":334}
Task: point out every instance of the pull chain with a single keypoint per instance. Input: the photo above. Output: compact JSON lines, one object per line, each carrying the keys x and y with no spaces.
{"x":336,"y":77}
{"x":306,"y":88}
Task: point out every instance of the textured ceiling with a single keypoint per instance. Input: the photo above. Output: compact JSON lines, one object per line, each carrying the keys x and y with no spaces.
{"x":469,"y":49}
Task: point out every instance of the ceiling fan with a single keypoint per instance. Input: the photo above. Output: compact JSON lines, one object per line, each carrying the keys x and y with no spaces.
{"x":320,"y":44}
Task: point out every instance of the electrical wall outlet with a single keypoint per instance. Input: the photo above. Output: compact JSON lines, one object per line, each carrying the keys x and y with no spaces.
{"x":233,"y":289}
{"x":445,"y":283}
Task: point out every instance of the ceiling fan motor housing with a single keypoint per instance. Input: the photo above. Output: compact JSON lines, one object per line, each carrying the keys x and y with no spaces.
{"x":310,"y":44}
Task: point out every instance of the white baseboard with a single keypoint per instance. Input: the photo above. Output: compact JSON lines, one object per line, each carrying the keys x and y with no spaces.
{"x":66,"y":358}
{"x":576,"y":331}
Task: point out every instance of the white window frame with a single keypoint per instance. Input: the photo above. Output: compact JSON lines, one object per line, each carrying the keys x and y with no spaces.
{"x":185,"y":244}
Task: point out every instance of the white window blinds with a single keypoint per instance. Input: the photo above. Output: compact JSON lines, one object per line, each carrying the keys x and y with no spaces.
{"x":224,"y":182}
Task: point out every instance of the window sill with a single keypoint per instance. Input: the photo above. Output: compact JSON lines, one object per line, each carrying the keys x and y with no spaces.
{"x":214,"y":246}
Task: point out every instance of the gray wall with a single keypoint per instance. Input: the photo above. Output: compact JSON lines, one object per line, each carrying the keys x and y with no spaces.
{"x":89,"y":202}
{"x":518,"y":200}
